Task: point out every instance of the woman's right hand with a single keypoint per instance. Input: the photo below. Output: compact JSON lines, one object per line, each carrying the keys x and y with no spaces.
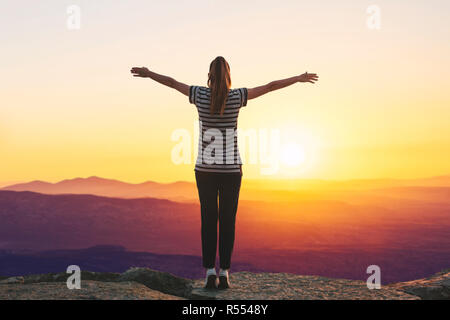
{"x":308,"y":77}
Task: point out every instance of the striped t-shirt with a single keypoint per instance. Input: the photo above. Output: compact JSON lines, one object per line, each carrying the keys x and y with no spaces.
{"x":217,"y":146}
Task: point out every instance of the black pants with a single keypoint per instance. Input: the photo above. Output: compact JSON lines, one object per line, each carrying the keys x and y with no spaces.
{"x":226,"y":187}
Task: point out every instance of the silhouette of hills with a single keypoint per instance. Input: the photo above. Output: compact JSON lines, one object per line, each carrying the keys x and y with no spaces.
{"x":260,"y":190}
{"x":111,"y":188}
{"x":406,"y":238}
{"x":103,"y":258}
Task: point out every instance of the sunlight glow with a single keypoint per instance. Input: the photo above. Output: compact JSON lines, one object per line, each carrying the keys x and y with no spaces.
{"x":292,"y":154}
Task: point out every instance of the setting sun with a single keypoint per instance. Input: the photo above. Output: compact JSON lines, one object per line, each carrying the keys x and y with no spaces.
{"x":292,"y":154}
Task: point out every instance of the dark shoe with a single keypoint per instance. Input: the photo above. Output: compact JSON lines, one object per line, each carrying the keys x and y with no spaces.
{"x":224,"y":283}
{"x":211,"y":282}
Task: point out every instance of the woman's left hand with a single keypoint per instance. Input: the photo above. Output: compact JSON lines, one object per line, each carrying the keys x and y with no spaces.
{"x":140,"y":72}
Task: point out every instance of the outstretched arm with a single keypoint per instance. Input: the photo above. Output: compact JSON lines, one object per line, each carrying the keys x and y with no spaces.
{"x":165,"y":80}
{"x":278,"y":84}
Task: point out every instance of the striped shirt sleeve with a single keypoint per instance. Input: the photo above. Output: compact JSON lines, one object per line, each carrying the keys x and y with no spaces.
{"x":243,"y":94}
{"x":193,"y":93}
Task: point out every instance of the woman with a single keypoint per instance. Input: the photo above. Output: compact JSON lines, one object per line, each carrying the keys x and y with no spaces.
{"x":218,"y":170}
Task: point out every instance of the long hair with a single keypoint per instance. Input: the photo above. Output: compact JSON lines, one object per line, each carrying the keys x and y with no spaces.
{"x":219,"y":81}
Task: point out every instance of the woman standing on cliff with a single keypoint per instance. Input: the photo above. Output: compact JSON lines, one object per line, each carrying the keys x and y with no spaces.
{"x":218,"y":169}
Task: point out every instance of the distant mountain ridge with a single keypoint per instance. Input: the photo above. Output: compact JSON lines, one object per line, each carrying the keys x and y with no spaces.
{"x":104,"y":258}
{"x":184,"y":191}
{"x":178,"y":191}
{"x":43,"y":221}
{"x":331,"y":238}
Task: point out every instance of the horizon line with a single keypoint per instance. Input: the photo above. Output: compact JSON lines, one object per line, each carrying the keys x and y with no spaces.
{"x":10,"y":183}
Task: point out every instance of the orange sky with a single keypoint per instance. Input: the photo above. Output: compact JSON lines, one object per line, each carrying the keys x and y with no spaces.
{"x":70,"y":107}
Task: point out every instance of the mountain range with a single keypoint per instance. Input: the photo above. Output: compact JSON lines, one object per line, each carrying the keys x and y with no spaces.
{"x":335,"y":234}
{"x":182,"y":191}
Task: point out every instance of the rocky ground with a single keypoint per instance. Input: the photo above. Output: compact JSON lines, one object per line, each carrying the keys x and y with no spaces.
{"x":144,"y":283}
{"x":90,"y":290}
{"x":435,"y":287}
{"x":285,"y":286}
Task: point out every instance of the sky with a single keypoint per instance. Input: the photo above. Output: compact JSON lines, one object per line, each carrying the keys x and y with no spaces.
{"x":70,"y":108}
